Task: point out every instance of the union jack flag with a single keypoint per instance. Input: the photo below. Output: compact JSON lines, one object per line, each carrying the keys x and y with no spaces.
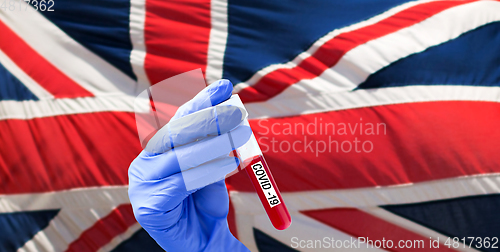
{"x":427,"y":70}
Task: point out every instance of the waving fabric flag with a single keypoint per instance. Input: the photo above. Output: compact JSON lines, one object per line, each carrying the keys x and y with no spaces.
{"x":378,"y":118}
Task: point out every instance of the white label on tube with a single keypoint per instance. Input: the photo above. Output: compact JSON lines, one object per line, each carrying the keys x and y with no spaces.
{"x":265,"y":184}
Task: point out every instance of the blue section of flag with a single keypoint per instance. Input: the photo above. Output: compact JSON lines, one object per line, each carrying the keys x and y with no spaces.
{"x":461,"y":217}
{"x":12,"y":89}
{"x":266,"y":243}
{"x":17,"y":228}
{"x":262,"y":32}
{"x":445,"y":64}
{"x":100,"y":25}
{"x":140,"y":241}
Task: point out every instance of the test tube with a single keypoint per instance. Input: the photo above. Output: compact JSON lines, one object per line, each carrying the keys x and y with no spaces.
{"x":262,"y":179}
{"x":253,"y":162}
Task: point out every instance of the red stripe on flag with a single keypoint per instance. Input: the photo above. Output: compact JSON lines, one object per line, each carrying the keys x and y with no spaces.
{"x":63,"y":152}
{"x":104,"y":230}
{"x":423,"y":142}
{"x":176,"y":34}
{"x":360,"y":224}
{"x":333,"y":50}
{"x":37,"y":67}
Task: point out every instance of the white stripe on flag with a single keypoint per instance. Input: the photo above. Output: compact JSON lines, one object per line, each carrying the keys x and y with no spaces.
{"x":66,"y":227}
{"x":218,"y":39}
{"x":306,"y":228}
{"x":138,"y":53}
{"x":74,"y":60}
{"x":377,"y":196}
{"x":66,"y":106}
{"x":25,"y":79}
{"x":257,"y":76}
{"x":412,"y":226}
{"x":84,"y":198}
{"x":249,"y":212}
{"x":357,"y":64}
{"x":324,"y":102}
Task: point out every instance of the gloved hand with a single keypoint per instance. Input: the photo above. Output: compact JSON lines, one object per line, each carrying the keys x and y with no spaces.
{"x":178,"y":217}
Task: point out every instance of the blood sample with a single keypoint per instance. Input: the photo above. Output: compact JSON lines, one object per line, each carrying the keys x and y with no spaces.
{"x":251,"y":159}
{"x":269,"y":194}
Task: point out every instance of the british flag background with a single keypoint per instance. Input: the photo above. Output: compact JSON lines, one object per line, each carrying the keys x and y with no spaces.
{"x":428,"y":69}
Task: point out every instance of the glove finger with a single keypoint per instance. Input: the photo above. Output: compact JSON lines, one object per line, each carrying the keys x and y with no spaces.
{"x":150,"y":166}
{"x":157,"y":204}
{"x":213,"y":199}
{"x":197,"y":153}
{"x":205,"y":123}
{"x":209,"y":172}
{"x":213,"y":94}
{"x":147,"y":166}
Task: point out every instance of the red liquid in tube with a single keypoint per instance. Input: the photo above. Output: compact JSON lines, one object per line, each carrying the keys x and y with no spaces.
{"x":269,"y":195}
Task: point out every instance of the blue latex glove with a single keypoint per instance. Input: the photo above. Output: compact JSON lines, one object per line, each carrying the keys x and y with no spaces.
{"x":181,"y":220}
